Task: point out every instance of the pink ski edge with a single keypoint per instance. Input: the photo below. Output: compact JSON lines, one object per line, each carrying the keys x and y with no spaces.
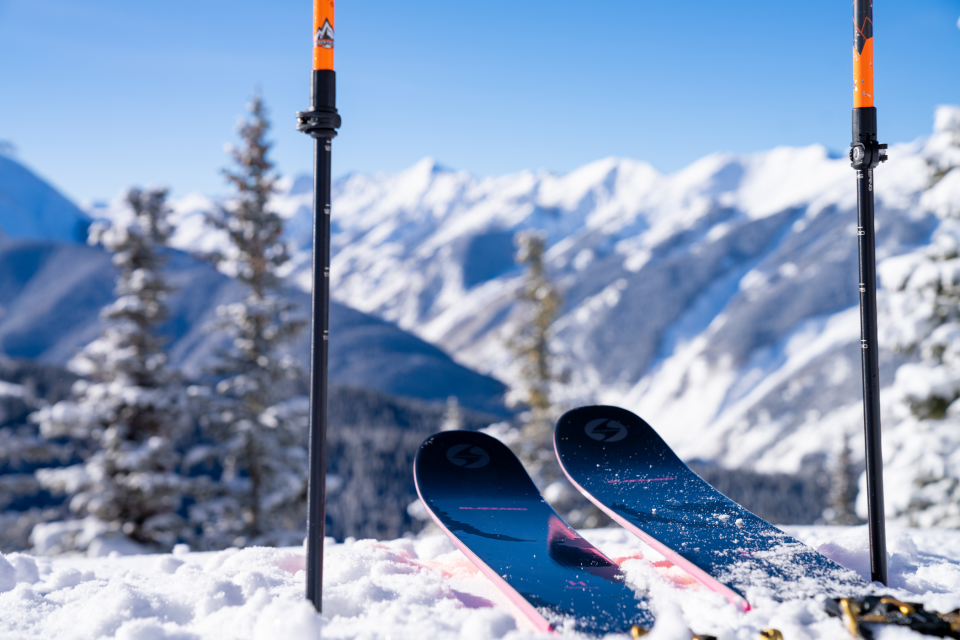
{"x":521,"y":603}
{"x":695,"y":572}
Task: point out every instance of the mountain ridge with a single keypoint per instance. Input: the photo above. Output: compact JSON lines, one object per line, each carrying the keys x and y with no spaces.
{"x":31,"y":208}
{"x":718,"y":301}
{"x":52,"y":293}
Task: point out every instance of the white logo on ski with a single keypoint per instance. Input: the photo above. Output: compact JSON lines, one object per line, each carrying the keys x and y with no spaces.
{"x":605,"y":430}
{"x":475,"y":458}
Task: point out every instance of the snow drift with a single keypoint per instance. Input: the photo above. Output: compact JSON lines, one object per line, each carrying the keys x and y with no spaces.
{"x":408,"y":588}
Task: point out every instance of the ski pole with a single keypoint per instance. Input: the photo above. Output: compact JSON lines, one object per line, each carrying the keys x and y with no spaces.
{"x":865,"y":154}
{"x":321,"y":122}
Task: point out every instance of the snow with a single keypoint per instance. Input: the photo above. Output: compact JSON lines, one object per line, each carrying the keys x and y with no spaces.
{"x":410,"y":588}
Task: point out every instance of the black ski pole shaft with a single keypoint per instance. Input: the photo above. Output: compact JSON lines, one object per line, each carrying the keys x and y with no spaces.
{"x":321,"y":122}
{"x":865,"y":154}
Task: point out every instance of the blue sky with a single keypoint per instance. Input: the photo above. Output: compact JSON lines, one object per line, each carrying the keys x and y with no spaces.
{"x":101,"y":94}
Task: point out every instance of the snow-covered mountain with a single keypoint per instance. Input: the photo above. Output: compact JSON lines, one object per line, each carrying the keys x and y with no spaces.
{"x":51,"y":295}
{"x":719,"y":302}
{"x":31,"y":208}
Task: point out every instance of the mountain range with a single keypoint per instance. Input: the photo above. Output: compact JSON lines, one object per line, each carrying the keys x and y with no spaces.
{"x":719,"y":302}
{"x":52,"y":287}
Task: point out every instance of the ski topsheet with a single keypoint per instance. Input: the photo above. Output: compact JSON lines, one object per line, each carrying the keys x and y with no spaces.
{"x":480,"y":495}
{"x":620,"y":463}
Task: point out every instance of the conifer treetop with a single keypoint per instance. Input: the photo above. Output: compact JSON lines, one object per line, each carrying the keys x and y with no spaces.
{"x":257,"y":248}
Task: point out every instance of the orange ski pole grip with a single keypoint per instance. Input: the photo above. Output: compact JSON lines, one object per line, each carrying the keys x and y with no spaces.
{"x":862,"y":53}
{"x":323,"y":35}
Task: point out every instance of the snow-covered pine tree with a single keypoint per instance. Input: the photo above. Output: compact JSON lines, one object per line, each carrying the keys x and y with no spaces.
{"x":842,"y":493}
{"x":922,"y":321}
{"x":253,"y":411}
{"x":453,"y":416}
{"x":23,"y":451}
{"x":129,"y":409}
{"x":540,"y":302}
{"x":945,"y":148}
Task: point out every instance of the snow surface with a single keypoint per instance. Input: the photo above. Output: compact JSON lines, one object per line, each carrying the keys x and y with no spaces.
{"x":411,"y":588}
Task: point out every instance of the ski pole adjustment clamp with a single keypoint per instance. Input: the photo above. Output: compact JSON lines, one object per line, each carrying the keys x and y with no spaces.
{"x":867,"y":155}
{"x":865,"y":152}
{"x":321,"y":120}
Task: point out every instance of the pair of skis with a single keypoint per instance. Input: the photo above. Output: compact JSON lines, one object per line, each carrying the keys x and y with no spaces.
{"x":479,"y":494}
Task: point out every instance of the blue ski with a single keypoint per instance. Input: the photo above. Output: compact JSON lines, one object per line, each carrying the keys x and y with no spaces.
{"x":480,"y":495}
{"x":620,"y":463}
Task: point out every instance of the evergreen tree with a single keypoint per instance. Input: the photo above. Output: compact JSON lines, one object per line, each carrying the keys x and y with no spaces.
{"x":128,"y":410}
{"x":842,"y":494}
{"x":23,"y":451}
{"x":922,"y":296}
{"x":540,"y":301}
{"x":531,"y":344}
{"x":453,"y":416}
{"x":263,"y":431}
{"x":929,"y":296}
{"x":945,"y":146}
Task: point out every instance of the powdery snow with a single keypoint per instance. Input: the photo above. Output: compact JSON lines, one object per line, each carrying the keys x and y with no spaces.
{"x":413,"y":588}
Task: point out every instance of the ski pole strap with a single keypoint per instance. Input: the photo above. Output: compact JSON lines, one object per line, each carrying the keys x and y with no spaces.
{"x":862,"y":53}
{"x":323,"y":35}
{"x":864,"y":614}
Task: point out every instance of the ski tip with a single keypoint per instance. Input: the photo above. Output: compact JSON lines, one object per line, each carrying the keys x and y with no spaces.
{"x":599,"y":425}
{"x":469,"y":449}
{"x":454,"y":462}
